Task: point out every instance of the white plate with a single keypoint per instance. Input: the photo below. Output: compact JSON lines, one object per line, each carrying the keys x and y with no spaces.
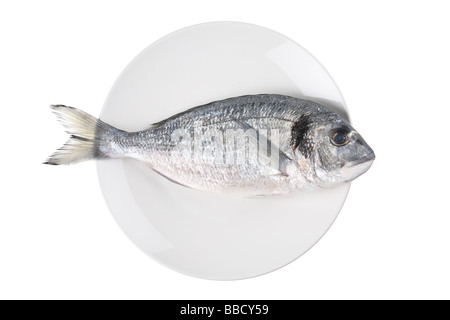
{"x":201,"y":234}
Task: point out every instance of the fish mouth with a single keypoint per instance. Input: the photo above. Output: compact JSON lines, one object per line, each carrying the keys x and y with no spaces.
{"x":369,"y":158}
{"x":356,"y":168}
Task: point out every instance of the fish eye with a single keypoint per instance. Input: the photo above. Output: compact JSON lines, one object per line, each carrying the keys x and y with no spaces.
{"x":339,"y":139}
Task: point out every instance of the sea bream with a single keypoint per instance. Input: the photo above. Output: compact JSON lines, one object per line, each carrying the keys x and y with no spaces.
{"x":253,"y":145}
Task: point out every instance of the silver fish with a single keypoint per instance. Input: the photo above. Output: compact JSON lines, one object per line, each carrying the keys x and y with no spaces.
{"x":254,"y":145}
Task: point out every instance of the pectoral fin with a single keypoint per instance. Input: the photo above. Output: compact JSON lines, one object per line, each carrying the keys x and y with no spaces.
{"x":277,"y":159}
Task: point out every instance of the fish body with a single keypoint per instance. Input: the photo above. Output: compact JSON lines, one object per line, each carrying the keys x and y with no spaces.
{"x":254,"y":145}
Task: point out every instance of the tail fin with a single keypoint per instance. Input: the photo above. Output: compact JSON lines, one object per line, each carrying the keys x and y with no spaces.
{"x":84,"y":140}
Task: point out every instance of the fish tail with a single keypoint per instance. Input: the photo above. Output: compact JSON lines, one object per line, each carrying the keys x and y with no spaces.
{"x":85,"y":136}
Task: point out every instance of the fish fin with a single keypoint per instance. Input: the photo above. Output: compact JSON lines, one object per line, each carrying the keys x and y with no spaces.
{"x":168,"y":178}
{"x":158,"y":124}
{"x":261,"y":196}
{"x":278,"y":163}
{"x":84,"y":140}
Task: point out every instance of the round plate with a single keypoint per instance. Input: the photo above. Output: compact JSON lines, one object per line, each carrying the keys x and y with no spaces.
{"x":202,"y":234}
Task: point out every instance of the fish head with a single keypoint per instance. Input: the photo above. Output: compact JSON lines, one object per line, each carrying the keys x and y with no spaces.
{"x":335,"y":151}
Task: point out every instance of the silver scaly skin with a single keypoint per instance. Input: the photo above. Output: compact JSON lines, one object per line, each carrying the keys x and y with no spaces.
{"x":222,"y":146}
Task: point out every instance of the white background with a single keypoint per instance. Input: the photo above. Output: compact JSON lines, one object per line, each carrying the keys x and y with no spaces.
{"x":391,"y":61}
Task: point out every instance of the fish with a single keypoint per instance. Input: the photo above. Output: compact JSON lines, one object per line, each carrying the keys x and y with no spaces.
{"x":257,"y":145}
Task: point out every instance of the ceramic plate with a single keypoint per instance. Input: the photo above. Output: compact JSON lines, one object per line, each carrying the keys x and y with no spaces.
{"x":197,"y":233}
